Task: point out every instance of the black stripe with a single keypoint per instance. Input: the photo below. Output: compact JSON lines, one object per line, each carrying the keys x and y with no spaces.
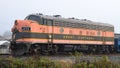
{"x":31,"y":35}
{"x":61,"y":36}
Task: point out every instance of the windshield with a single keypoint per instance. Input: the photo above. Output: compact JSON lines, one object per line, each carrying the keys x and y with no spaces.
{"x":34,"y":18}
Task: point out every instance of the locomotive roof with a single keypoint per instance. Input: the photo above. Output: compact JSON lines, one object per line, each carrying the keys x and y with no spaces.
{"x":84,"y":21}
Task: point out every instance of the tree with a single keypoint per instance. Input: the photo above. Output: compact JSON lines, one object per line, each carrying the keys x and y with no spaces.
{"x":7,"y":35}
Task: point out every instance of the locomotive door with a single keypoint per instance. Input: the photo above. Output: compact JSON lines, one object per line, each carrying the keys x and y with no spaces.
{"x":50,"y":30}
{"x":103,"y":37}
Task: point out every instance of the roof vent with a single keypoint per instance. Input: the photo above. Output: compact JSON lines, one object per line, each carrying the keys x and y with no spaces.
{"x":72,"y":18}
{"x":84,"y":19}
{"x":39,"y":13}
{"x":57,"y":15}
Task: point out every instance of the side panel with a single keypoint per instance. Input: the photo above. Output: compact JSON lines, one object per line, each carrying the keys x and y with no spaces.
{"x":82,"y":36}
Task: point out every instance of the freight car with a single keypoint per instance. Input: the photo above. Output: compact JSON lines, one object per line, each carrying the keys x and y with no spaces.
{"x":117,"y":43}
{"x":39,"y":33}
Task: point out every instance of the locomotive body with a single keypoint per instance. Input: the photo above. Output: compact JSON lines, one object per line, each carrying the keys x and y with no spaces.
{"x":41,"y":33}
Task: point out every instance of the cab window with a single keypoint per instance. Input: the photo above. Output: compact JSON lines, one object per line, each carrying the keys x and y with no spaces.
{"x":35,"y":18}
{"x":50,"y":22}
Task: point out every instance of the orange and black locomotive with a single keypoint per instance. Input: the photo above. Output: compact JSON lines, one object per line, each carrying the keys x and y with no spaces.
{"x":50,"y":34}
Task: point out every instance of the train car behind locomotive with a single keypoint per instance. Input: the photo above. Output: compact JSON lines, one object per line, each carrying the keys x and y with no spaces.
{"x":117,"y":43}
{"x":42,"y":34}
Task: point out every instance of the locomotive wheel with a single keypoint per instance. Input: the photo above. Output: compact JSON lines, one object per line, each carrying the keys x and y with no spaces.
{"x":35,"y":49}
{"x":54,"y":50}
{"x":45,"y":52}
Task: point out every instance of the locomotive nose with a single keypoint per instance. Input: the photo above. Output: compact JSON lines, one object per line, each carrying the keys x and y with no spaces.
{"x":21,"y":26}
{"x":15,"y":28}
{"x":15,"y":23}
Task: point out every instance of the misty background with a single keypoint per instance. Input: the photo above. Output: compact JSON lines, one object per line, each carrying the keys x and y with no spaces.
{"x":106,"y":11}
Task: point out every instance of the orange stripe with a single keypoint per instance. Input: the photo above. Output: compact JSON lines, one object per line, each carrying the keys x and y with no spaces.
{"x":32,"y":40}
{"x":81,"y":42}
{"x":110,"y":43}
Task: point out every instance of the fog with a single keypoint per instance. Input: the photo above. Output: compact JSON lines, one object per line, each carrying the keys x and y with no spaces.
{"x":106,"y":11}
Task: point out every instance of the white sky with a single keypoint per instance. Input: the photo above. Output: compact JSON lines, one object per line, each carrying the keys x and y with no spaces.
{"x":106,"y":11}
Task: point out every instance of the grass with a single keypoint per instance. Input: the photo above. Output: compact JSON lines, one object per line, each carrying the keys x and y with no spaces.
{"x":41,"y":62}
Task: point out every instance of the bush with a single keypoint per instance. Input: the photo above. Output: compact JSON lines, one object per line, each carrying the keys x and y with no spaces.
{"x":63,"y":64}
{"x":38,"y":62}
{"x":105,"y":63}
{"x":12,"y":63}
{"x":30,"y":62}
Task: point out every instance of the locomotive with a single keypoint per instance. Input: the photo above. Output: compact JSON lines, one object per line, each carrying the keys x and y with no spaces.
{"x":39,"y":33}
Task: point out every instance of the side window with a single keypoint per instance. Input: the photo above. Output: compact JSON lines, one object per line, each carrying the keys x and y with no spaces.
{"x":50,"y":22}
{"x":56,"y":23}
{"x":45,"y":21}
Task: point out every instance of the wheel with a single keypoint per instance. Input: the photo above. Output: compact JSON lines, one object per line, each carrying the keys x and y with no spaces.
{"x":54,"y":50}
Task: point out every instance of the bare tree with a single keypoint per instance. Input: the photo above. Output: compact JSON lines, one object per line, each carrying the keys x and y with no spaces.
{"x":7,"y":35}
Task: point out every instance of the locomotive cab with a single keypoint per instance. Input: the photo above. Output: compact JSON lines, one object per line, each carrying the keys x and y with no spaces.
{"x":26,"y":26}
{"x":29,"y":33}
{"x":20,"y":32}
